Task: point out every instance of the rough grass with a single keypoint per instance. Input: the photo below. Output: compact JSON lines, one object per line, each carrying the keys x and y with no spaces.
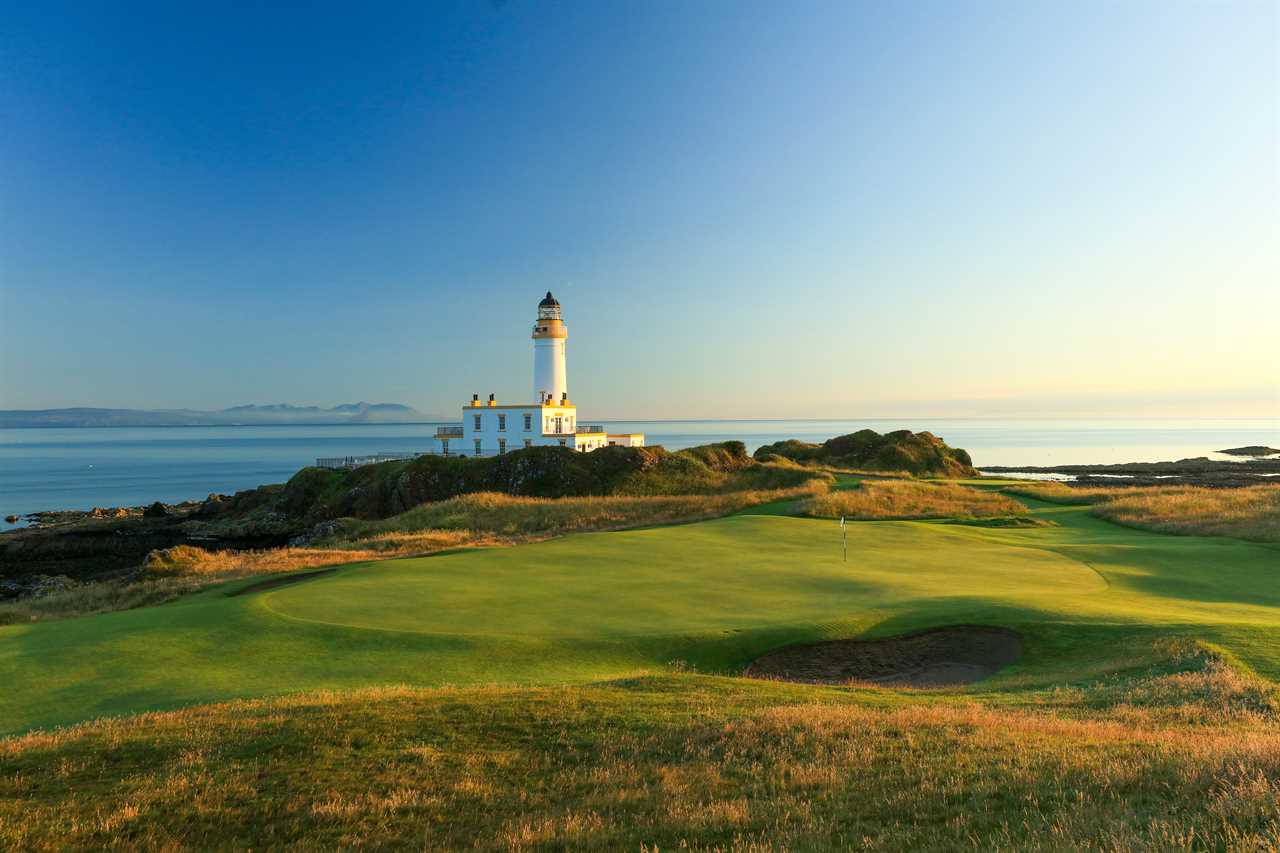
{"x":1248,"y":513}
{"x":519,"y":518}
{"x":682,"y":761}
{"x":899,"y":499}
{"x":1251,"y":513}
{"x":484,"y":520}
{"x":175,"y":572}
{"x":1060,"y":493}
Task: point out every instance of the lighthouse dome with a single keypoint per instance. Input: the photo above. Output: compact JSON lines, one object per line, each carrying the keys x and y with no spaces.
{"x":548,"y":308}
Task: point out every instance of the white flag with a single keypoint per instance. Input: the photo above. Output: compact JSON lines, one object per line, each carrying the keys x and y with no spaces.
{"x":842,"y":521}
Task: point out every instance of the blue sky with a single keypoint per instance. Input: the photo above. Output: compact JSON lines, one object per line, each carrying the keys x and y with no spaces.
{"x":747,"y":209}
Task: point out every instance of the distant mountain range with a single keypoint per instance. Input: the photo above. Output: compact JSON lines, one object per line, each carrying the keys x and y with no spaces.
{"x":275,"y":413}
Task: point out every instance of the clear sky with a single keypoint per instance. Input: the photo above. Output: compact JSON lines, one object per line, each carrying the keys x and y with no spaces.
{"x":747,"y":208}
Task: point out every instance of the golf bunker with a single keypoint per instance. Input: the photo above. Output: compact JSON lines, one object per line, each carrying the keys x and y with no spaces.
{"x":938,"y":657}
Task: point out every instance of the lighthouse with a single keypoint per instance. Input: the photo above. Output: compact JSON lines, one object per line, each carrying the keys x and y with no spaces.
{"x":550,"y":382}
{"x":492,"y":428}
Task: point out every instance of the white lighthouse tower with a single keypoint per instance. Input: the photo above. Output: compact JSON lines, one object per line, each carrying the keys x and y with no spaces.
{"x":491,"y":428}
{"x":550,"y":382}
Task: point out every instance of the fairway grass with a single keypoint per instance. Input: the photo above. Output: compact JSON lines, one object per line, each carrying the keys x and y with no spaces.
{"x":709,"y":596}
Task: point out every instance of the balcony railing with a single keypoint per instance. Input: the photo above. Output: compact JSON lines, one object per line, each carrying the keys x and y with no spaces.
{"x":449,"y":432}
{"x":590,"y":428}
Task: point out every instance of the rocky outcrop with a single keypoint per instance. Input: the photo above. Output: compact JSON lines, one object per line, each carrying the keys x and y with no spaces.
{"x":922,"y":454}
{"x":34,"y":586}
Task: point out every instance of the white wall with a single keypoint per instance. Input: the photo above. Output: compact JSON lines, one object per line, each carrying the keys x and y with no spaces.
{"x":549,"y":375}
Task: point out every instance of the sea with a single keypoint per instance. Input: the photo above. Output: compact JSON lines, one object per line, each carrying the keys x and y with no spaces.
{"x":80,"y":468}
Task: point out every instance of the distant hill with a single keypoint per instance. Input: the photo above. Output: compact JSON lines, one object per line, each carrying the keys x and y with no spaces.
{"x":274,"y":413}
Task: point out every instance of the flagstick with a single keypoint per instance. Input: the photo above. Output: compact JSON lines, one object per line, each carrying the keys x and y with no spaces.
{"x":845,"y":534}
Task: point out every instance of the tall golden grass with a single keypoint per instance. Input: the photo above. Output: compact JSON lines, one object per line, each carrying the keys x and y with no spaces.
{"x":1248,"y":513}
{"x":1251,"y":512}
{"x":1060,"y":493}
{"x":520,"y":517}
{"x":900,"y":499}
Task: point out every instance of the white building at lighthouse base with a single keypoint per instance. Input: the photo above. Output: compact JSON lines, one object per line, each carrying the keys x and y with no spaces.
{"x":490,"y":429}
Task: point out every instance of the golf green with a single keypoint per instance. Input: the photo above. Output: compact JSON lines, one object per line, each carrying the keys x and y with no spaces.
{"x":711,"y":596}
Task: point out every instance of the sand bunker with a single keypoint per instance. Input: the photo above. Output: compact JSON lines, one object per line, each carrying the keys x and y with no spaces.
{"x":940,"y":657}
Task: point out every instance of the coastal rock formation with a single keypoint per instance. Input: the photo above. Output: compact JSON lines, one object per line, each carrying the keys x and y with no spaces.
{"x":922,"y":454}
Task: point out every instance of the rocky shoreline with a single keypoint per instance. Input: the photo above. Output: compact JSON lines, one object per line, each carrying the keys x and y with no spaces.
{"x":1197,"y":471}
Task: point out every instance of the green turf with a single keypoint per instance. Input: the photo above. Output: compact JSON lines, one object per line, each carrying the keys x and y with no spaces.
{"x":710,"y":596}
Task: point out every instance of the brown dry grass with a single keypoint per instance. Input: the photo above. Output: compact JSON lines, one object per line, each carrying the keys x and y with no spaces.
{"x":1060,"y":493}
{"x":661,"y":763}
{"x":1252,"y":512}
{"x":519,"y":518}
{"x":1248,"y":513}
{"x":900,"y":499}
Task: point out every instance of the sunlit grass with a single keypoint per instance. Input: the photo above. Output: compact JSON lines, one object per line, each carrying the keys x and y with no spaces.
{"x":505,"y":515}
{"x":1247,"y":513}
{"x":890,"y":499}
{"x":660,"y":763}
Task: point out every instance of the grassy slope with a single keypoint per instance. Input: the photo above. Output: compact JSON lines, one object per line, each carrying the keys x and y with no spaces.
{"x":712,"y":595}
{"x":669,"y":762}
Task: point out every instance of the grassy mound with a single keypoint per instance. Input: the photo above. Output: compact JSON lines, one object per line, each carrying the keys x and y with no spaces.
{"x":920,"y":454}
{"x":1252,"y":512}
{"x":886,"y":499}
{"x":504,"y":515}
{"x":391,"y":488}
{"x":658,"y":763}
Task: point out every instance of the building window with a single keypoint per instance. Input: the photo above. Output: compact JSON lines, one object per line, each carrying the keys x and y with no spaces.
{"x":445,"y":444}
{"x":477,"y":447}
{"x":562,"y":441}
{"x":528,"y":423}
{"x":502,"y":445}
{"x":477,"y":423}
{"x":502,"y":423}
{"x":559,"y":424}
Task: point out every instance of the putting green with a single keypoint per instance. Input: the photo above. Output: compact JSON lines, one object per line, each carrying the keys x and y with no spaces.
{"x":712,"y":595}
{"x":744,"y":572}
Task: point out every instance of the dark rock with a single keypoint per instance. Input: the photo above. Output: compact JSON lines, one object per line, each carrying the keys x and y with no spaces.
{"x":156,"y":510}
{"x":323,"y":530}
{"x":11,"y":519}
{"x":35,"y":586}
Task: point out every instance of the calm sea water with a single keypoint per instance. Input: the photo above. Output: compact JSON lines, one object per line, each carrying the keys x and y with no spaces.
{"x":126,"y":466}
